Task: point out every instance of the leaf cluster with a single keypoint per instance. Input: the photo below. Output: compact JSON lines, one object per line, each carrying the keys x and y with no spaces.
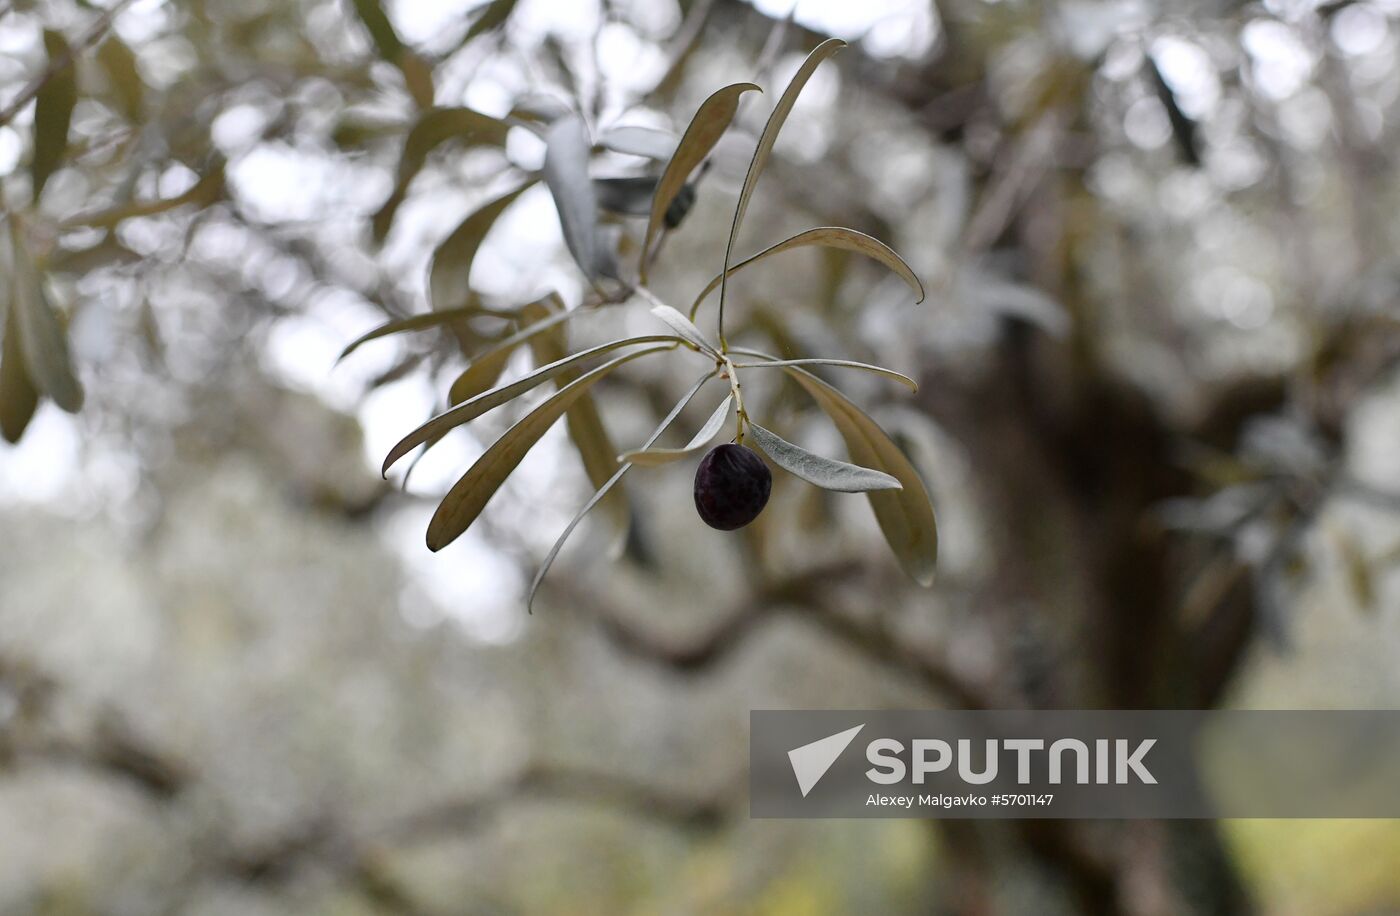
{"x":878,"y":467}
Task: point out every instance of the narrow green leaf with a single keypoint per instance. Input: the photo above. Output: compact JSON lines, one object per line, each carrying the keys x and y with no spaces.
{"x":684,"y":327}
{"x":905,"y":515}
{"x":827,"y":473}
{"x":412,"y":323}
{"x":765,"y":147}
{"x":481,"y":375}
{"x":773,"y":362}
{"x":605,"y":488}
{"x":586,"y":429}
{"x":709,"y":124}
{"x":417,"y":78}
{"x":639,"y":141}
{"x":53,"y":112}
{"x":493,"y":16}
{"x":450,"y":275}
{"x":437,"y":126}
{"x":566,"y":154}
{"x":417,"y":73}
{"x":475,"y":407}
{"x":433,"y":128}
{"x":124,"y":76}
{"x":827,"y":237}
{"x":18,"y":399}
{"x":775,"y":124}
{"x":355,"y":130}
{"x":655,"y":457}
{"x":557,"y":56}
{"x":494,"y":359}
{"x":42,"y":339}
{"x":464,"y":502}
{"x":381,"y":31}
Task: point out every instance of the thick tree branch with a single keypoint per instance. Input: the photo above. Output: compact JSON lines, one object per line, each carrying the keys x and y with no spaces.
{"x":355,"y":858}
{"x":800,"y":597}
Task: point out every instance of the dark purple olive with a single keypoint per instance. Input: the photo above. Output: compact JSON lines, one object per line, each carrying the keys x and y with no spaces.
{"x":731,"y":487}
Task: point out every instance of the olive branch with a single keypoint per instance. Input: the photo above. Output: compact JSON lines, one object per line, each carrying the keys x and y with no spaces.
{"x":878,"y":467}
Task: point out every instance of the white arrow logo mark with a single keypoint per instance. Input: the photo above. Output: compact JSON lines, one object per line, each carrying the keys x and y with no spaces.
{"x":811,"y":761}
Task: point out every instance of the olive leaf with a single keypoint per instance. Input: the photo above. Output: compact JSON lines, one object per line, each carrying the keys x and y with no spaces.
{"x":493,"y":16}
{"x":417,"y":73}
{"x":53,"y":111}
{"x":773,"y":362}
{"x":469,"y":495}
{"x":765,"y":147}
{"x":639,"y":141}
{"x":414,"y":323}
{"x":494,"y":358}
{"x":566,"y":156}
{"x":655,"y":457}
{"x":585,"y":427}
{"x":41,"y":336}
{"x":606,"y":487}
{"x":123,"y":75}
{"x":774,"y":125}
{"x":450,"y":274}
{"x":481,"y":375}
{"x":381,"y":31}
{"x":433,"y":128}
{"x":827,"y":237}
{"x":905,"y":515}
{"x":557,"y":56}
{"x":18,"y":399}
{"x":355,"y":130}
{"x":417,"y":78}
{"x":475,"y":407}
{"x":706,"y":127}
{"x":684,"y":327}
{"x":827,"y":473}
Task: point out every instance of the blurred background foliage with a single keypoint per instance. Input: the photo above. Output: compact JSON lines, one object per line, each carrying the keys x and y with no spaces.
{"x":1158,"y":417}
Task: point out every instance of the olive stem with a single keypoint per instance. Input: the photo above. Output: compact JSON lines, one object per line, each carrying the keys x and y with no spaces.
{"x":728,"y":371}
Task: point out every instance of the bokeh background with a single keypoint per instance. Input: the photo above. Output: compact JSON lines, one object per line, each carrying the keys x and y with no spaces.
{"x":1159,"y":418}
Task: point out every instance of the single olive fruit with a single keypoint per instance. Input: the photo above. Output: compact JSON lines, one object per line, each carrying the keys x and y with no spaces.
{"x":731,"y":487}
